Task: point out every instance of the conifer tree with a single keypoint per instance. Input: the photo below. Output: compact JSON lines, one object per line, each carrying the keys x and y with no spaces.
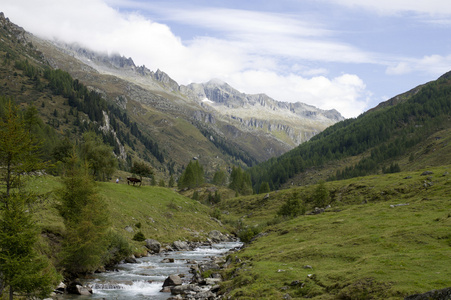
{"x":99,"y":156}
{"x":171,"y":181}
{"x":22,"y":269}
{"x":86,"y":220}
{"x":240,"y":181}
{"x":264,"y":188}
{"x":192,"y":177}
{"x":219,"y":178}
{"x":321,"y":195}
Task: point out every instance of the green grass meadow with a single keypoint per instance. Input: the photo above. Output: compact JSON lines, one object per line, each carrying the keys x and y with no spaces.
{"x":360,"y":248}
{"x":159,"y":213}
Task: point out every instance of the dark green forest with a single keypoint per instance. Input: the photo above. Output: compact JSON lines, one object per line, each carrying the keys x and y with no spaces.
{"x":378,"y":136}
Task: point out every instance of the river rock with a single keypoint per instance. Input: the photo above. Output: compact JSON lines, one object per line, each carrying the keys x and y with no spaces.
{"x":77,"y":288}
{"x":211,"y":281}
{"x":208,"y":266}
{"x":131,"y":259}
{"x":185,"y":289}
{"x":172,"y":280}
{"x":217,"y":236}
{"x":180,"y":246}
{"x":154,"y":246}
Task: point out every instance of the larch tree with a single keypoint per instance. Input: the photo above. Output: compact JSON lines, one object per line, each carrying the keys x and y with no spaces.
{"x":86,"y":218}
{"x":22,"y":269}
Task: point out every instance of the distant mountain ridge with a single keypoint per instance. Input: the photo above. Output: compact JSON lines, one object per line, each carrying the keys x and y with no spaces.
{"x":300,"y":121}
{"x":211,"y":121}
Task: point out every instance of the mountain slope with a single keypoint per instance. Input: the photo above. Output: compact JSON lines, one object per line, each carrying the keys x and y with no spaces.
{"x":154,"y":98}
{"x":369,"y":143}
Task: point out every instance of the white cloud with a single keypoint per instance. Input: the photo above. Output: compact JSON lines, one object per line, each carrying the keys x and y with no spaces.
{"x":258,"y":52}
{"x":431,"y":7}
{"x":432,"y":64}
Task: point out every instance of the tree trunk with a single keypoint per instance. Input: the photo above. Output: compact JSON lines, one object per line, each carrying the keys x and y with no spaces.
{"x":11,"y":293}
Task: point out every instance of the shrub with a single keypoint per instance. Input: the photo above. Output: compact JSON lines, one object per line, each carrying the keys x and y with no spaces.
{"x":292,"y":207}
{"x":139,"y":236}
{"x":246,"y":235}
{"x":321,"y":195}
{"x":118,"y":248}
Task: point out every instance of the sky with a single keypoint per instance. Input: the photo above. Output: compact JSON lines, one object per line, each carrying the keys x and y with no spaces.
{"x":347,"y":55}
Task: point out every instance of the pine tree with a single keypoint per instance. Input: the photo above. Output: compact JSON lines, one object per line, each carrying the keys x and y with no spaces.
{"x":171,"y":181}
{"x":86,"y":220}
{"x":321,"y":195}
{"x":264,"y":188}
{"x":99,"y":156}
{"x":22,"y":269}
{"x":192,"y":177}
{"x":240,"y":181}
{"x":219,"y":178}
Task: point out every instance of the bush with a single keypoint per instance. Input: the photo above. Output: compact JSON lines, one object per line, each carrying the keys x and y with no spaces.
{"x":118,"y":248}
{"x":292,"y":207}
{"x":246,"y":235}
{"x":216,"y":214}
{"x":139,"y":236}
{"x":321,"y":195}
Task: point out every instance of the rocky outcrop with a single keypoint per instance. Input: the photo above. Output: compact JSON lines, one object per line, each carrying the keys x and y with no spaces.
{"x":443,"y":294}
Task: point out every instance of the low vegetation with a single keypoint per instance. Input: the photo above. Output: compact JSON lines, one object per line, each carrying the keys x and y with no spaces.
{"x":383,"y":237}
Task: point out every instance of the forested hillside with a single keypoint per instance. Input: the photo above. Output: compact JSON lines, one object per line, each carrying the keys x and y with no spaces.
{"x":375,"y":140}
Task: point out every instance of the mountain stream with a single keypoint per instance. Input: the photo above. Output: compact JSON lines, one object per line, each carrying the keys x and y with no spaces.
{"x":144,"y":279}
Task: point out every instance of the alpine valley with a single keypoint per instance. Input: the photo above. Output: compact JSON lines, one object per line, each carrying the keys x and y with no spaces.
{"x":211,"y":121}
{"x":327,"y":208}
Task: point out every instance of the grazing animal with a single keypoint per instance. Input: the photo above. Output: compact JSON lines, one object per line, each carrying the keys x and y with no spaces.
{"x":133,"y":180}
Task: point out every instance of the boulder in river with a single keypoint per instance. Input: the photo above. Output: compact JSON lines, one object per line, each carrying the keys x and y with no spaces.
{"x":217,"y":236}
{"x":172,"y":280}
{"x":77,"y":288}
{"x":154,"y":246}
{"x":180,"y":246}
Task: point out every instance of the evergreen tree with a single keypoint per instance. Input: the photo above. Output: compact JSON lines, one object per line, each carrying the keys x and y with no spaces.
{"x":99,"y":156}
{"x":321,"y":195}
{"x":240,"y":181}
{"x":195,"y":195}
{"x":219,"y":178}
{"x":171,"y":181}
{"x":292,"y":207}
{"x":85,"y":216}
{"x":192,"y":177}
{"x":22,"y":269}
{"x":264,"y":188}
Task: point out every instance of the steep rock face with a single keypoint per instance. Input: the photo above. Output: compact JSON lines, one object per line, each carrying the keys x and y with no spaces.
{"x":289,"y":123}
{"x":293,"y":123}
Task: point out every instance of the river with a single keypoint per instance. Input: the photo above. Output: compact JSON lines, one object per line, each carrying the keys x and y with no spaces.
{"x":144,"y":279}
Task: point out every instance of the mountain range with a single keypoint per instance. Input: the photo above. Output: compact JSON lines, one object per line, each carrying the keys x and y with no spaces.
{"x":211,"y":121}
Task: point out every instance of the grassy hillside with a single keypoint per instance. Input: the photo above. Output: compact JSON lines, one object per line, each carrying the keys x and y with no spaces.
{"x":364,"y":246}
{"x":159,"y":213}
{"x":367,"y":144}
